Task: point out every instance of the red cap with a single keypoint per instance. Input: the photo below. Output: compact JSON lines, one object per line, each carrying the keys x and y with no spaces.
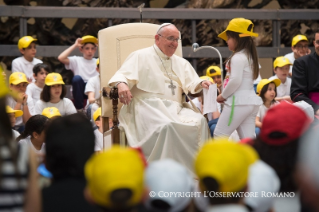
{"x":285,"y":119}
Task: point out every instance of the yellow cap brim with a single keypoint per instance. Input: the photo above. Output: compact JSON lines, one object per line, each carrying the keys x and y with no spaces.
{"x":89,"y":40}
{"x":55,"y":83}
{"x":223,"y":35}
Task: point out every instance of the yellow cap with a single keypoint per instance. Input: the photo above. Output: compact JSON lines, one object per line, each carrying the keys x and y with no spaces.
{"x":264,"y":82}
{"x":298,"y":38}
{"x":213,"y":71}
{"x":97,"y":113}
{"x":4,"y":89}
{"x":281,"y":61}
{"x":89,"y":39}
{"x":51,"y":112}
{"x":225,"y":161}
{"x":241,"y":26}
{"x":98,"y":61}
{"x":25,"y":41}
{"x":17,"y":77}
{"x":54,"y":79}
{"x":17,"y":113}
{"x":116,"y":168}
{"x":207,"y":78}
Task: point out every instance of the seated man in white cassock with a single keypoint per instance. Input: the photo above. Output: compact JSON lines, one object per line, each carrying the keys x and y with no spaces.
{"x":150,"y":85}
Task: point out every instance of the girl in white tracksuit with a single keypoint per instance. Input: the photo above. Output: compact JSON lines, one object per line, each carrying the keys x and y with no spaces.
{"x":241,"y":103}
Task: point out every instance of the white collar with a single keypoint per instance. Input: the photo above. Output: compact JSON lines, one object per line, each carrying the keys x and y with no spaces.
{"x":26,"y":62}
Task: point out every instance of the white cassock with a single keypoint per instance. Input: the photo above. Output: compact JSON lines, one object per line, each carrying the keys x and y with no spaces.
{"x":156,"y":119}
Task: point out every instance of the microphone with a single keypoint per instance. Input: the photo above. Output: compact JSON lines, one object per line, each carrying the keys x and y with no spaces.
{"x":195,"y":46}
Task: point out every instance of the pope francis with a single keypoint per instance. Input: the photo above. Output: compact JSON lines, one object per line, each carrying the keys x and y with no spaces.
{"x":150,"y":85}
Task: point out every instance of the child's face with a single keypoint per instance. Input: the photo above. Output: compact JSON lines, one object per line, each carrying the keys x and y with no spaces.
{"x":20,"y":88}
{"x":231,"y":42}
{"x":12,"y":118}
{"x":88,"y":51}
{"x":301,"y":48}
{"x":271,"y":92}
{"x":217,"y":79}
{"x":41,"y":75}
{"x":40,"y":137}
{"x":55,"y":91}
{"x":282,"y":72}
{"x":29,"y":52}
{"x":98,"y":122}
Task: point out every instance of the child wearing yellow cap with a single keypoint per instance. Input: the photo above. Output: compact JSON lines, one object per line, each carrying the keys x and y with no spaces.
{"x":18,"y":83}
{"x":27,"y":61}
{"x":40,"y":72}
{"x":13,"y":114}
{"x":240,"y":101}
{"x":92,"y":90}
{"x":215,"y":73}
{"x":266,"y":89}
{"x":99,"y":131}
{"x":82,"y":67}
{"x":281,"y":70}
{"x":299,"y":47}
{"x":53,"y":95}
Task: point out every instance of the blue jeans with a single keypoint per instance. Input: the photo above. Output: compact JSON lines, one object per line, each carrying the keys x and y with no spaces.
{"x":257,"y":131}
{"x":212,"y":125}
{"x":78,"y":86}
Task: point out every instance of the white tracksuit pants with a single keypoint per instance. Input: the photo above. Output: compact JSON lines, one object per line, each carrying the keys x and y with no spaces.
{"x":244,"y":117}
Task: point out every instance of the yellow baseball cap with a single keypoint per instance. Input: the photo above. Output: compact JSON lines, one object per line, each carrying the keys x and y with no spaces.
{"x":98,"y":61}
{"x":51,"y":112}
{"x":4,"y":89}
{"x":54,"y":79}
{"x":17,"y":113}
{"x":212,"y":71}
{"x":97,"y":113}
{"x":225,"y":161}
{"x":116,"y":168}
{"x":89,"y":39}
{"x":281,"y":61}
{"x":17,"y":77}
{"x":264,"y":82}
{"x":207,"y":78}
{"x":298,"y":38}
{"x":25,"y":41}
{"x":240,"y":25}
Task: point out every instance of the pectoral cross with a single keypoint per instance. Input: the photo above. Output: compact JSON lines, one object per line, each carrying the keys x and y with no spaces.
{"x":172,"y":87}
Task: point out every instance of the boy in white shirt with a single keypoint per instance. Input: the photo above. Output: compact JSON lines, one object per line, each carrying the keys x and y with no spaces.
{"x":299,"y":47}
{"x":82,"y":67}
{"x":13,"y":114}
{"x":40,"y":72}
{"x":27,"y":61}
{"x":281,"y":69}
{"x":92,"y":90}
{"x":18,"y":82}
{"x":99,"y":131}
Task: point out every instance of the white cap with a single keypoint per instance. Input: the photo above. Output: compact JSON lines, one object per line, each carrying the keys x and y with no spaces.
{"x":307,"y":108}
{"x":162,"y":25}
{"x":262,"y":178}
{"x":168,"y":176}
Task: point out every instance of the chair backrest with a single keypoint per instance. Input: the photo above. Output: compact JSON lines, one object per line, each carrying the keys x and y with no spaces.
{"x":115,"y":45}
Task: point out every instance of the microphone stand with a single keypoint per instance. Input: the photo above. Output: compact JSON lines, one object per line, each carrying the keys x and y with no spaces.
{"x":140,"y":9}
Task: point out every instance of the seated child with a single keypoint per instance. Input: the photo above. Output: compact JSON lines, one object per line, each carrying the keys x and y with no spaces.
{"x":82,"y":67}
{"x":13,"y":114}
{"x":215,"y":73}
{"x":33,"y":134}
{"x":299,"y":47}
{"x":266,"y":89}
{"x":51,"y":112}
{"x":18,"y":83}
{"x":26,"y":62}
{"x":40,"y":72}
{"x":92,"y":90}
{"x":53,"y":95}
{"x":99,"y":131}
{"x":281,"y":69}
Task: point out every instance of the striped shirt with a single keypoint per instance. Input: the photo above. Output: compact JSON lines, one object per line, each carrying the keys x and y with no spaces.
{"x":12,"y":189}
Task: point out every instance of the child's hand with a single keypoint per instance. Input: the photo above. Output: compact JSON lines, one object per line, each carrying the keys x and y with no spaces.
{"x":220,"y":99}
{"x":78,"y":42}
{"x":24,"y":98}
{"x":20,"y":97}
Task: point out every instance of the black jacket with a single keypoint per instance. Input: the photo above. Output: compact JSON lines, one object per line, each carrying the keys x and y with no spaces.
{"x":305,"y":79}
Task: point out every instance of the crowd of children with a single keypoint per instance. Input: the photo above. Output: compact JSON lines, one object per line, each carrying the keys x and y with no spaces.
{"x":39,"y":124}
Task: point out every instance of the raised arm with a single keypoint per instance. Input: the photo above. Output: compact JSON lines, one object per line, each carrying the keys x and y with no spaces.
{"x":63,"y":57}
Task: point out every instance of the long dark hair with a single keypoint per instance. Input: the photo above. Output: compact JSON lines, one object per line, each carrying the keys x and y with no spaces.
{"x":36,"y":124}
{"x":264,"y":90}
{"x":246,"y":43}
{"x":46,"y":95}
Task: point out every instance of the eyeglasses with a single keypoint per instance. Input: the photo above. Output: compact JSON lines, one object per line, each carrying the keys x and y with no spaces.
{"x":302,"y":47}
{"x":171,"y":39}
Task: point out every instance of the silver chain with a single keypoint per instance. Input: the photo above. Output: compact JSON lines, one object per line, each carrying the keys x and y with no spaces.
{"x":163,"y":66}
